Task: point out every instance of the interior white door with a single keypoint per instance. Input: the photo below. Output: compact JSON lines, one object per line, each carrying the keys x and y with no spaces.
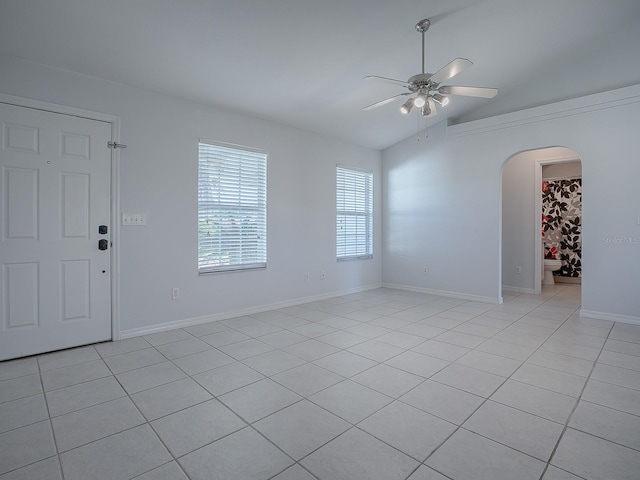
{"x":55,"y":284}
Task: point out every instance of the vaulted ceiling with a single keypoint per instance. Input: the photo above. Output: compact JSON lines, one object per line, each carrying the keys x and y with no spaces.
{"x":302,"y":62}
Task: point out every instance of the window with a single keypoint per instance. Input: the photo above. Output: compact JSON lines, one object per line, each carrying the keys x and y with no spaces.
{"x":354,"y":219}
{"x":232,"y":208}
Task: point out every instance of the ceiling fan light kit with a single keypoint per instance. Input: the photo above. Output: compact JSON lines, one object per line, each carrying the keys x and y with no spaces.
{"x":407,"y":106}
{"x":441,"y":99}
{"x":420,"y":100}
{"x":426,"y":86}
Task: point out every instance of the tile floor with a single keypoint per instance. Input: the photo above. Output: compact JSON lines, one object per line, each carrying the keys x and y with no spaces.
{"x":384,"y":384}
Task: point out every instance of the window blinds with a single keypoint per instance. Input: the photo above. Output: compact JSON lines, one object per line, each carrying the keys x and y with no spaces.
{"x":232,"y":208}
{"x":354,"y":219}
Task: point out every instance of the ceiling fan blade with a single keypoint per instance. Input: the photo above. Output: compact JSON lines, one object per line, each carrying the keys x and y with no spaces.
{"x":450,"y":70}
{"x":392,"y":81}
{"x":384,"y":102}
{"x":482,"y":92}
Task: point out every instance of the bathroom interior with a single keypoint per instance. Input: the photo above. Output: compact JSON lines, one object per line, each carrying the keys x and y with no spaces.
{"x":562,"y":222}
{"x":541,"y":210}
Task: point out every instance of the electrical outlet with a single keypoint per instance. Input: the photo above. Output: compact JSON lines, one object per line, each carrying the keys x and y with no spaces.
{"x":425,"y":271}
{"x":307,"y":277}
{"x":518,"y":269}
{"x":175,"y":293}
{"x":322,"y":276}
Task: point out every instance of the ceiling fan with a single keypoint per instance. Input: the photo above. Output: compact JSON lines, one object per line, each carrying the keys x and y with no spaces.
{"x":424,"y":88}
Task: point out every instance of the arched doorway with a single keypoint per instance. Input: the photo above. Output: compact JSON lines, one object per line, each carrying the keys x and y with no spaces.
{"x":522,"y":243}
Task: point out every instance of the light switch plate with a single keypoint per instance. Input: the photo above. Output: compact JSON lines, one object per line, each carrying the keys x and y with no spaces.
{"x":134,"y":219}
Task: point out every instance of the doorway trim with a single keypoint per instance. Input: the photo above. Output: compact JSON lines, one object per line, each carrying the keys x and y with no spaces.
{"x":537,"y":274}
{"x":115,"y":187}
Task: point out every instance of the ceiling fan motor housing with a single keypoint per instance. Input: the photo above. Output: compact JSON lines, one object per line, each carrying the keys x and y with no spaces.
{"x":421,"y":82}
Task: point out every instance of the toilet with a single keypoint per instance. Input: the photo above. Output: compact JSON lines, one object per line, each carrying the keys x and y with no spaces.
{"x":550,"y":266}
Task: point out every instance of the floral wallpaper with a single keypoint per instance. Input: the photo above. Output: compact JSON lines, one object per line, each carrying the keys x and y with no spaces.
{"x":562,"y":224}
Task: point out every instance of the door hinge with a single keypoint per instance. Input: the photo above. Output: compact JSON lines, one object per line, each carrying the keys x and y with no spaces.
{"x":115,"y":145}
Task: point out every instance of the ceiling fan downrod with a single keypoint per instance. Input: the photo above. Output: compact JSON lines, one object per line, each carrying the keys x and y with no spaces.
{"x":422,"y":26}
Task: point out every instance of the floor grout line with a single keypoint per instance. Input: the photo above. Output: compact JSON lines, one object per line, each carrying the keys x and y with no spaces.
{"x":549,"y":307}
{"x":566,"y":423}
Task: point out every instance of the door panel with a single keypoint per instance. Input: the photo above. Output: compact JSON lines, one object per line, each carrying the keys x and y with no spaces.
{"x":21,"y":292}
{"x":56,"y":191}
{"x":75,"y":194}
{"x":76,"y":295}
{"x":21,"y":205}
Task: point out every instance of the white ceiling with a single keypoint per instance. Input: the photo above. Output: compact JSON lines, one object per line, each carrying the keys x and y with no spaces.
{"x":302,"y":62}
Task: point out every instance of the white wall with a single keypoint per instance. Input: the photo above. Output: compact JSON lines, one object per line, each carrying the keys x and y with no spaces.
{"x":518,"y":229}
{"x":434,"y":214}
{"x":446,"y":192}
{"x":159,"y":176}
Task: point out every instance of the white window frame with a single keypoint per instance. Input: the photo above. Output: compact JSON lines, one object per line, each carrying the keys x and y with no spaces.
{"x":232,"y":186}
{"x":354,"y":213}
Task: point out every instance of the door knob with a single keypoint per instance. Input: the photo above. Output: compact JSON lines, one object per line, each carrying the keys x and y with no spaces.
{"x":103,"y":244}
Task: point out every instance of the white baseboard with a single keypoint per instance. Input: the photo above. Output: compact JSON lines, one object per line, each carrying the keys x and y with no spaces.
{"x":444,"y":293}
{"x":613,"y":317}
{"x":189,"y":322}
{"x":510,"y":289}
